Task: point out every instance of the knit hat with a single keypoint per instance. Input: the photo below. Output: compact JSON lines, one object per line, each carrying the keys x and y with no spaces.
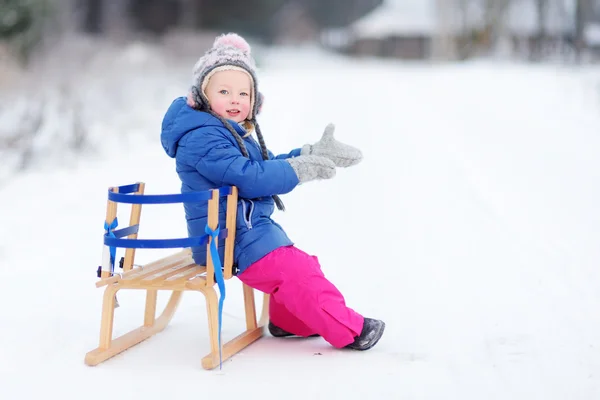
{"x":230,"y":52}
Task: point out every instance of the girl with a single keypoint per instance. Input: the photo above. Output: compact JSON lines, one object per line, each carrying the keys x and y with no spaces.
{"x":209,"y":133}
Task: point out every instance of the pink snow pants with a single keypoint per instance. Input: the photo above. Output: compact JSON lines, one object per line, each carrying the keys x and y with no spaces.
{"x":303,"y":301}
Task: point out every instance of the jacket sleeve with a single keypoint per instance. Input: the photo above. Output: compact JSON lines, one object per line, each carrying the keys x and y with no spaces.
{"x":219,"y":160}
{"x":293,"y":153}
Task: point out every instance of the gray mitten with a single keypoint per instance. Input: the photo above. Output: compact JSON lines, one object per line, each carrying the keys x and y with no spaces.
{"x":341,"y":154}
{"x":308,"y":168}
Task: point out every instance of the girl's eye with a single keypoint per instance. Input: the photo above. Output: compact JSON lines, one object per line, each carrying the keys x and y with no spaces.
{"x":223,"y":91}
{"x":244,"y":94}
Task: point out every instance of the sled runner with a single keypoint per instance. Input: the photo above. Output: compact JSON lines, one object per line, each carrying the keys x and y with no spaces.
{"x":175,"y":273}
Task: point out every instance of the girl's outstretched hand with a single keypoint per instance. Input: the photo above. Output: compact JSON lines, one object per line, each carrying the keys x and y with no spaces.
{"x":343,"y":155}
{"x":311,"y":167}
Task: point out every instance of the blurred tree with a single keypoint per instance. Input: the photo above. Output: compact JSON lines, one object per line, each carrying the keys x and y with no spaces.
{"x":242,"y":16}
{"x":338,"y":13}
{"x":155,"y":16}
{"x":541,"y":36}
{"x":495,"y":21}
{"x":252,"y":18}
{"x":22,"y":24}
{"x":581,"y":6}
{"x":444,"y":46}
{"x":93,"y":15}
{"x":190,"y":13}
{"x":15,"y":18}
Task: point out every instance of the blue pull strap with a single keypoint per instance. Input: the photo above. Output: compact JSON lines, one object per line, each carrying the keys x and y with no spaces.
{"x":214,"y":253}
{"x":113,"y":250}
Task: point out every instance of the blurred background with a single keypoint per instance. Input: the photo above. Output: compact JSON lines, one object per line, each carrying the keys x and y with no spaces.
{"x":105,"y":68}
{"x":410,"y":29}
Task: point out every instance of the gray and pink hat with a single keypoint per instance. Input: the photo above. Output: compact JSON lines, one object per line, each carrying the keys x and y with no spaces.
{"x":229,"y":52}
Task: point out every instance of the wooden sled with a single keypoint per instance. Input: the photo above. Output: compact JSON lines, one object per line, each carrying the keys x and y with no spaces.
{"x":176,"y":273}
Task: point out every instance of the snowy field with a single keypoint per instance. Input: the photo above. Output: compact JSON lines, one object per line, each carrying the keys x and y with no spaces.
{"x":472,"y":228}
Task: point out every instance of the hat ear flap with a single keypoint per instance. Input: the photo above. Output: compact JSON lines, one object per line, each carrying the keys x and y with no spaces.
{"x":194,"y":99}
{"x":260,"y":98}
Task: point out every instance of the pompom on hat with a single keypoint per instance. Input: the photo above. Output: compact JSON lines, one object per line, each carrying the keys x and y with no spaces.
{"x":229,"y":51}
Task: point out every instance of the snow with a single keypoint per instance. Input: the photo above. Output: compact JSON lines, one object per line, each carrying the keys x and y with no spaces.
{"x":471,"y":228}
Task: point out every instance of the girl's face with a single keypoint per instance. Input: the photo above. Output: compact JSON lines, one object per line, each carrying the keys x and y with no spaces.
{"x":228,"y":94}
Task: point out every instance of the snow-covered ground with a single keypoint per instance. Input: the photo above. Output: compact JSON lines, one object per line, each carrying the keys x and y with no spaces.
{"x":472,"y":228}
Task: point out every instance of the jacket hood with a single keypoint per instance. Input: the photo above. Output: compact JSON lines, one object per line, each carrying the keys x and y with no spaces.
{"x":179,"y":120}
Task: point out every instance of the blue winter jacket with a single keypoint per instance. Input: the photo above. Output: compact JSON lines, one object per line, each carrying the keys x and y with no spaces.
{"x":208,"y":157}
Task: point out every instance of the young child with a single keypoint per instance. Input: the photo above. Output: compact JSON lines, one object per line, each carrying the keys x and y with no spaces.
{"x":209,"y":133}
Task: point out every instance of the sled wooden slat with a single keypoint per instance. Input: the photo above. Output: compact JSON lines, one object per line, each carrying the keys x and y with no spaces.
{"x":196,"y":282}
{"x":147,"y":269}
{"x":157,"y":270}
{"x":175,"y":273}
{"x":184,"y":276}
{"x":198,"y":271}
{"x":164,"y":273}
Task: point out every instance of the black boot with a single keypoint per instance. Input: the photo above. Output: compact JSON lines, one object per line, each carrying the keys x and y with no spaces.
{"x":371,"y":333}
{"x":278,"y":332}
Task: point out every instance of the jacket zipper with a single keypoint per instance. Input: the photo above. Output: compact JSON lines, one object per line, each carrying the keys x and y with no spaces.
{"x":248,"y":213}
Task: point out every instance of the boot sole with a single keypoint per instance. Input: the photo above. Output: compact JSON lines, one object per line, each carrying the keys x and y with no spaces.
{"x":281,"y":333}
{"x":292,"y":335}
